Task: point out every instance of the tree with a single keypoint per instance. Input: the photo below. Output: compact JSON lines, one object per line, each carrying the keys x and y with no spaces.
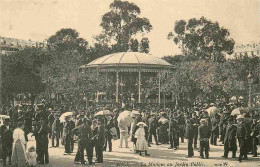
{"x":144,"y":45}
{"x":121,"y":23}
{"x":66,"y":53}
{"x":202,"y":38}
{"x":21,"y":74}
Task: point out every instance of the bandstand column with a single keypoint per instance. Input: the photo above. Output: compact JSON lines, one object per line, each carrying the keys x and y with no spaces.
{"x":159,"y":87}
{"x":139,"y":87}
{"x":117,"y":83}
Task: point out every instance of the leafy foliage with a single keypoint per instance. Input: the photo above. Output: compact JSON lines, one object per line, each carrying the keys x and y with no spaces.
{"x":121,"y":23}
{"x":202,"y":38}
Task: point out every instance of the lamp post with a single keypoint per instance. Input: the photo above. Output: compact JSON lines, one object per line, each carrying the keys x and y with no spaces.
{"x":250,"y":81}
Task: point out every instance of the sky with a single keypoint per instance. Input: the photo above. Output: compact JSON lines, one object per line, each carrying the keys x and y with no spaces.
{"x":39,"y":19}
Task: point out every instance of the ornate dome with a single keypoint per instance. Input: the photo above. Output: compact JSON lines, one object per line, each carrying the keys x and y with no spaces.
{"x":128,"y":59}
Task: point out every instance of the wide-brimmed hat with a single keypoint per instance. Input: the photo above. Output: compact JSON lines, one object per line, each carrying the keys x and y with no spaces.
{"x":141,"y":123}
{"x":240,"y":117}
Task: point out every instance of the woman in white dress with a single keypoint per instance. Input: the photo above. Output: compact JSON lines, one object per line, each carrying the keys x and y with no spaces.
{"x":141,"y":143}
{"x":19,"y":155}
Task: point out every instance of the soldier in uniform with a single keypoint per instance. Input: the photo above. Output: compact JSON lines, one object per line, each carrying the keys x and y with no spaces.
{"x":84,"y":134}
{"x":242,"y":136}
{"x":100,"y":139}
{"x":230,"y":143}
{"x":6,"y":136}
{"x":204,"y":135}
{"x":189,"y":135}
{"x":173,"y":132}
{"x":152,"y":126}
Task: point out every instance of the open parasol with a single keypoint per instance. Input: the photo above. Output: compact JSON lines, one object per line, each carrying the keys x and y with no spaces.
{"x":212,"y":111}
{"x":62,"y":117}
{"x":125,"y":117}
{"x":239,"y":111}
{"x":104,"y":112}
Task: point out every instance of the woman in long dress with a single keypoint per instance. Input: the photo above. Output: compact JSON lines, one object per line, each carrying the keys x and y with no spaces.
{"x":163,"y":125}
{"x":141,"y":143}
{"x":19,"y":145}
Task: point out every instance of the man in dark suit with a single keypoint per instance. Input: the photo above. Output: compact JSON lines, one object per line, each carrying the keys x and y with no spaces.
{"x":242,"y":136}
{"x":43,"y":142}
{"x":108,"y":135}
{"x":100,"y":138}
{"x":152,"y":126}
{"x":195,"y":122}
{"x":84,"y":134}
{"x":55,"y":131}
{"x":81,"y":120}
{"x":72,"y":126}
{"x":67,"y":135}
{"x":51,"y":119}
{"x":173,"y":125}
{"x":215,"y":130}
{"x":204,"y":134}
{"x":189,"y":133}
{"x":6,"y":132}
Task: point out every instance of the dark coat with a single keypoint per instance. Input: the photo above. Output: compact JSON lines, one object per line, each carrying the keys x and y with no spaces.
{"x":214,"y":125}
{"x":173,"y":126}
{"x":99,"y":132}
{"x":204,"y":132}
{"x":51,"y":119}
{"x":84,"y":134}
{"x":56,"y":128}
{"x":80,"y":122}
{"x":152,"y":125}
{"x":189,"y":131}
{"x":242,"y":131}
{"x":195,"y":123}
{"x":67,"y":128}
{"x":230,"y":142}
{"x":6,"y":135}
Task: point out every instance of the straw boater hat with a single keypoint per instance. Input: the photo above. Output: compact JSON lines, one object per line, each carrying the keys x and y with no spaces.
{"x":141,"y":123}
{"x":202,"y":120}
{"x":240,"y":117}
{"x":258,"y":121}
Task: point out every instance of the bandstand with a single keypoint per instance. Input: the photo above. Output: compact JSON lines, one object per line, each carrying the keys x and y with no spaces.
{"x":124,"y":65}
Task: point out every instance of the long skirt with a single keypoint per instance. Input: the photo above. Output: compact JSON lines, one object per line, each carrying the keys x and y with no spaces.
{"x":18,"y":155}
{"x":141,"y":144}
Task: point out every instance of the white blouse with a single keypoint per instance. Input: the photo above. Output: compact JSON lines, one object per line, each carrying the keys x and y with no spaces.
{"x":19,"y":134}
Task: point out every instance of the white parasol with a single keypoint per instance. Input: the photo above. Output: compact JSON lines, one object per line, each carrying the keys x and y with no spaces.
{"x":125,"y":117}
{"x":62,"y":117}
{"x":104,"y":112}
{"x":238,"y":111}
{"x":212,"y":111}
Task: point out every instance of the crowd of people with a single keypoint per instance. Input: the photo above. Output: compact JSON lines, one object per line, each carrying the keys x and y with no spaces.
{"x":148,"y":126}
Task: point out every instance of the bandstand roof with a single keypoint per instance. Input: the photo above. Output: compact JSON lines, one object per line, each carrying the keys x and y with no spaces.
{"x":129,"y":61}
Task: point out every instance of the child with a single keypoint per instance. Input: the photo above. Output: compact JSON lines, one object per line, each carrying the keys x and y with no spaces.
{"x":31,"y":156}
{"x":141,"y":143}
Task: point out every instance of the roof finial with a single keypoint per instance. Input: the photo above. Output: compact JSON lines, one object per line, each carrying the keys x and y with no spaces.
{"x":129,"y":46}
